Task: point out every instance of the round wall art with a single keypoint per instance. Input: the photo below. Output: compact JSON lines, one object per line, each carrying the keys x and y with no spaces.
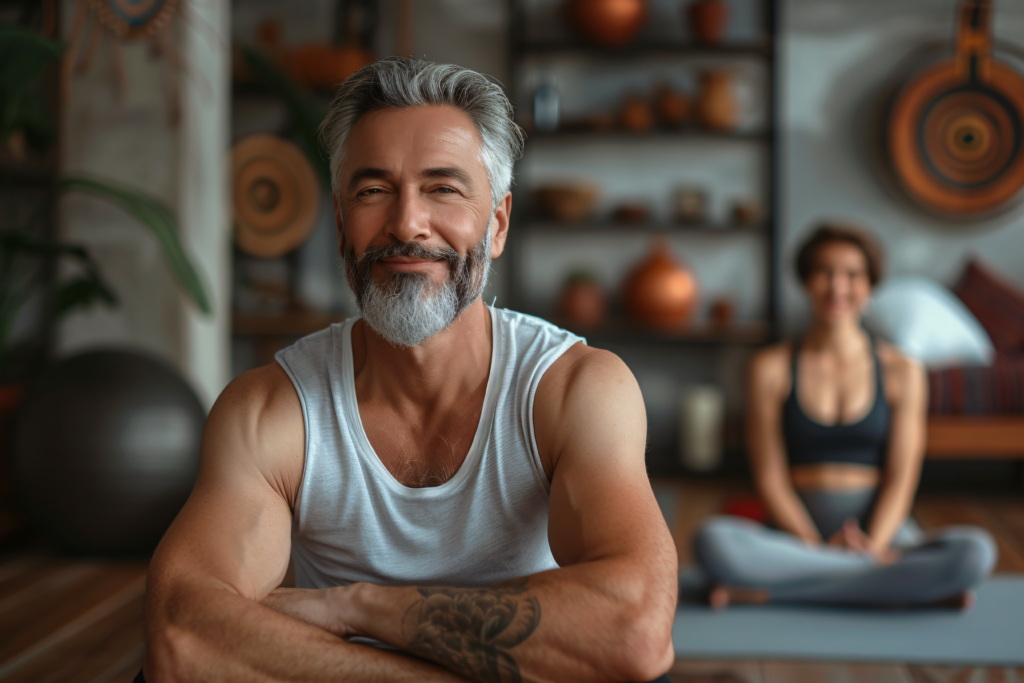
{"x":955,"y":130}
{"x":275,"y":194}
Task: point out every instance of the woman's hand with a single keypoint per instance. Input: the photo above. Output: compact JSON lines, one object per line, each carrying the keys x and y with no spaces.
{"x":851,"y":537}
{"x":325,"y":607}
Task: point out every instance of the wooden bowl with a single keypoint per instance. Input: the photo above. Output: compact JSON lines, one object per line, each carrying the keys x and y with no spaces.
{"x":569,"y":202}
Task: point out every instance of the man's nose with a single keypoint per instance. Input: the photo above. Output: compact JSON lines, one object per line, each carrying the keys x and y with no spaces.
{"x":411,"y":219}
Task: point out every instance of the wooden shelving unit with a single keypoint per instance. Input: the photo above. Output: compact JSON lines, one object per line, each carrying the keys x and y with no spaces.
{"x":706,"y":333}
{"x":645,"y":48}
{"x":544,"y":225}
{"x":524,"y":48}
{"x":714,"y":347}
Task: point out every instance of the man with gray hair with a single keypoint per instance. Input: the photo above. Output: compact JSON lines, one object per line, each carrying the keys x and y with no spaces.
{"x":461,"y":489}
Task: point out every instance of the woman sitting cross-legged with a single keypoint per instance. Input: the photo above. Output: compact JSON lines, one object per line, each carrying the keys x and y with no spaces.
{"x":836,"y":439}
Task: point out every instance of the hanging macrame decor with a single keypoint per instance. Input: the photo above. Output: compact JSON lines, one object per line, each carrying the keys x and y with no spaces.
{"x":124,"y":20}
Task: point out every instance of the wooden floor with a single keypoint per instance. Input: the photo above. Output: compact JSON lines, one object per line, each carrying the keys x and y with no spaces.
{"x":81,"y":621}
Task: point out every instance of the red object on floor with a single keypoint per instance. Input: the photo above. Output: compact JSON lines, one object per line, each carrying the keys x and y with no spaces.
{"x":750,"y":507}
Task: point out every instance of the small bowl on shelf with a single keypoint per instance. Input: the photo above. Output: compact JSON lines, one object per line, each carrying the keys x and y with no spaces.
{"x":567,"y":201}
{"x":631,"y":213}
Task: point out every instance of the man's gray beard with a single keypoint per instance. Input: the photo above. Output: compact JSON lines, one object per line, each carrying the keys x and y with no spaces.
{"x":409,"y":308}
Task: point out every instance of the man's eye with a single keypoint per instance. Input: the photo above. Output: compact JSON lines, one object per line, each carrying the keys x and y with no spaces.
{"x":446,"y":190}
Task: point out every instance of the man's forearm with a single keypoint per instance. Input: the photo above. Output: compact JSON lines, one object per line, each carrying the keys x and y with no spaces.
{"x":590,"y":622}
{"x":215,"y":634}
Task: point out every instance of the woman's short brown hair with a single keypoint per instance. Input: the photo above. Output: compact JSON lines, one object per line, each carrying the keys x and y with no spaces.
{"x":828,"y":233}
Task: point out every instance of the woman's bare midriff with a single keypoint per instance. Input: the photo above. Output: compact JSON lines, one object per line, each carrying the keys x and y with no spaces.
{"x":834,"y":477}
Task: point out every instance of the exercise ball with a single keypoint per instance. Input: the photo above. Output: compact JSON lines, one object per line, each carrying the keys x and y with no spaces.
{"x":105,"y":451}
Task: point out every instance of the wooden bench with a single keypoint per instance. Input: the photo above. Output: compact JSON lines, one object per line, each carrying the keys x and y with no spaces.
{"x":976,"y":437}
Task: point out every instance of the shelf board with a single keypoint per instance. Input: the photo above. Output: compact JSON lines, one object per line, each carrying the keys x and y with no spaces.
{"x":644,"y":48}
{"x":685,"y":133}
{"x":286,"y":324}
{"x":698,"y":333}
{"x":544,"y":225}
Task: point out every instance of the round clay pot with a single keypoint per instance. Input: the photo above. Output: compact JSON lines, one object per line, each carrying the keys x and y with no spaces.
{"x":611,"y":23}
{"x":636,"y":115}
{"x":673,"y":107}
{"x":582,"y":303}
{"x":716,"y":106}
{"x":660,"y":292}
{"x":707,"y":19}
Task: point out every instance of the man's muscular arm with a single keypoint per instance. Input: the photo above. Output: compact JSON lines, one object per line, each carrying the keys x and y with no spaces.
{"x":606,"y":614}
{"x":228,"y":548}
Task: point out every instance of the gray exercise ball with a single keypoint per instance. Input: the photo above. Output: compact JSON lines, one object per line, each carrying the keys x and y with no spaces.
{"x":105,"y":451}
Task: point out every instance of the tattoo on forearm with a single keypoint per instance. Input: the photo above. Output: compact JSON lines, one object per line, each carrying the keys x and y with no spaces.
{"x":470,"y":630}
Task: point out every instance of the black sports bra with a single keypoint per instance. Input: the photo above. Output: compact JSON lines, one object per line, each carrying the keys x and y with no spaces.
{"x":809,"y":442}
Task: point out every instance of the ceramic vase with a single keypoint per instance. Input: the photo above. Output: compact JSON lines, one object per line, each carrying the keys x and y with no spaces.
{"x":660,"y":292}
{"x":582,"y":303}
{"x":716,"y":106}
{"x":610,"y":23}
{"x":707,"y":20}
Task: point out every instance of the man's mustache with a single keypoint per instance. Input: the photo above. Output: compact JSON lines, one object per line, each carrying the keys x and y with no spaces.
{"x":373,"y":254}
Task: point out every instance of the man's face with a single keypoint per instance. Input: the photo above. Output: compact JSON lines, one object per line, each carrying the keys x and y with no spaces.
{"x":414,"y":215}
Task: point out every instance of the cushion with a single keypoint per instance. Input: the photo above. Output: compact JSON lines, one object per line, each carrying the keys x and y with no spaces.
{"x":927,"y":322}
{"x":996,"y":390}
{"x":998,"y":306}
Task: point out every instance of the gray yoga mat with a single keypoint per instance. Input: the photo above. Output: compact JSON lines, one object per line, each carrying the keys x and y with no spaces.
{"x":992,"y":633}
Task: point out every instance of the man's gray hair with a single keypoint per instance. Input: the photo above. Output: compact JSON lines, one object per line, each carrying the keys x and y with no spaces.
{"x":402,"y":82}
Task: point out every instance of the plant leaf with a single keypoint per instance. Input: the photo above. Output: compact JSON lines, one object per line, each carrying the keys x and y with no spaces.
{"x":81,"y":292}
{"x":155,"y":216}
{"x":24,"y":55}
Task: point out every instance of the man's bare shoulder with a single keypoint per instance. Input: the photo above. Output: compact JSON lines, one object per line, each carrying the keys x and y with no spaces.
{"x":257,"y":422}
{"x":586,"y":390}
{"x":582,"y":370}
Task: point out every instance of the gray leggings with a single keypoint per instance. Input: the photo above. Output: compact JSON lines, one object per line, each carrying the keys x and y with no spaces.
{"x":740,"y":553}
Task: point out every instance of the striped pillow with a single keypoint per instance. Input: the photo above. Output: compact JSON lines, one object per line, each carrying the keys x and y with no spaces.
{"x":997,"y":305}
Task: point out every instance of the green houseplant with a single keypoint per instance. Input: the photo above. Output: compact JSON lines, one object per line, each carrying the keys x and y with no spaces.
{"x":25,"y":250}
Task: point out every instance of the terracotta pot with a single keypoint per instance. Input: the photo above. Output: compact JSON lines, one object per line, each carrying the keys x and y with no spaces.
{"x":636,"y":115}
{"x":611,"y":23}
{"x":582,"y":303}
{"x":324,"y":65}
{"x":716,"y":106}
{"x":660,"y":292}
{"x":567,"y":202}
{"x":632,"y":213}
{"x":673,"y":107}
{"x":722,"y":312}
{"x":707,"y":19}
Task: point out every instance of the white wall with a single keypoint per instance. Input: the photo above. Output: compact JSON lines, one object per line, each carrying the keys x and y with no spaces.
{"x":841,"y":59}
{"x":183,"y":164}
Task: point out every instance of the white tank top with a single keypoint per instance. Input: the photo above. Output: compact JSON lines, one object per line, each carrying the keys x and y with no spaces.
{"x":353,"y":521}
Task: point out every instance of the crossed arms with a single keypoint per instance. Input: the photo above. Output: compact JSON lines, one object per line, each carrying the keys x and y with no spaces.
{"x":605,"y":615}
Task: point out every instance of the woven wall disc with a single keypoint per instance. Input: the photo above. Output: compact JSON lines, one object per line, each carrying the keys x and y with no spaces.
{"x":130,"y":19}
{"x":275,"y":194}
{"x":956,"y":131}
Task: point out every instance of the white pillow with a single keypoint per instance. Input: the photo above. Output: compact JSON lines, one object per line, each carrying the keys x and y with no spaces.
{"x":926,"y":321}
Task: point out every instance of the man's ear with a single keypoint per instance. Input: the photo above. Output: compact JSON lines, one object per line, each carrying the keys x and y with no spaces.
{"x":499,"y":225}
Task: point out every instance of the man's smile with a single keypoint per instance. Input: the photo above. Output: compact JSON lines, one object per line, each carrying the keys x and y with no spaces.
{"x":409,"y":264}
